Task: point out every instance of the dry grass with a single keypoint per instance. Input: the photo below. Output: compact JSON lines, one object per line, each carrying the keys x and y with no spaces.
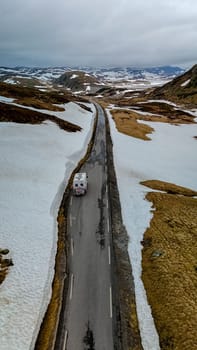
{"x":169,"y":188}
{"x":3,"y":274}
{"x":5,"y":264}
{"x":35,"y":103}
{"x":126,"y":122}
{"x":170,"y":266}
{"x":30,"y":96}
{"x":11,"y":113}
{"x":47,"y":333}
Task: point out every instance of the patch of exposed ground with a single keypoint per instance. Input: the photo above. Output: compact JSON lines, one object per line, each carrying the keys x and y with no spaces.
{"x":182,"y":89}
{"x":127,"y":120}
{"x":126,"y":123}
{"x":170,"y":265}
{"x":12,"y":113}
{"x":47,"y":334}
{"x":38,"y":104}
{"x":164,"y":113}
{"x":5,"y":264}
{"x":32,"y":97}
{"x":169,"y":188}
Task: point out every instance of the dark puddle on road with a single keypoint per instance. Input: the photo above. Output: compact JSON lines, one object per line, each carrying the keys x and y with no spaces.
{"x":101,"y":227}
{"x":88,"y":339}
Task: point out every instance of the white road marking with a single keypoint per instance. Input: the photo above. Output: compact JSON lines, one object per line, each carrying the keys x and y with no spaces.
{"x":71,"y":286}
{"x":110,"y":301}
{"x":65,"y":340}
{"x":70,"y":220}
{"x":109,"y":255}
{"x":71,"y":201}
{"x":108,"y":224}
{"x":107,"y":203}
{"x":72,"y":246}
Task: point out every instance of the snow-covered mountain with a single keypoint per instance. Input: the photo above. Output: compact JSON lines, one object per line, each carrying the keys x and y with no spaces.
{"x":50,"y":73}
{"x":182,"y":89}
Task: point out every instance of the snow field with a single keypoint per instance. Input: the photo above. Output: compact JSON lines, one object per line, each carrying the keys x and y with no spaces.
{"x":36,"y":162}
{"x":171,"y":156}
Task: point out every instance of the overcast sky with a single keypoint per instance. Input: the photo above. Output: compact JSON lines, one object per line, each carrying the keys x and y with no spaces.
{"x":138,"y":33}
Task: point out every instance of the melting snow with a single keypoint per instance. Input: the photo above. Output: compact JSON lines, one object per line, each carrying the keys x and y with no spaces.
{"x":36,"y":162}
{"x":171,"y":157}
{"x":74,"y":76}
{"x":186,"y":82}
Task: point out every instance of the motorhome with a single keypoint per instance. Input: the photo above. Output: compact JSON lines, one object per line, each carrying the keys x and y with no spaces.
{"x":80,"y":184}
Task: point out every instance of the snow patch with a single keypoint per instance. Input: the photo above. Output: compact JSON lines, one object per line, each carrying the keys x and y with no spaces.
{"x":74,"y":76}
{"x":186,"y":82}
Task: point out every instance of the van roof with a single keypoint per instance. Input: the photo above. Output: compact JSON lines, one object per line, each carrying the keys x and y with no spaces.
{"x":80,"y":176}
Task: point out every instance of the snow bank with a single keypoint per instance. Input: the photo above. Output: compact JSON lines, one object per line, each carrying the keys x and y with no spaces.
{"x":36,"y":162}
{"x":6,"y":99}
{"x":186,"y":82}
{"x":74,"y":76}
{"x":171,"y":157}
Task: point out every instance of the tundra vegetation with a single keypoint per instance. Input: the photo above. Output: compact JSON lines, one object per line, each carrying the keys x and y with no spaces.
{"x":170,"y":265}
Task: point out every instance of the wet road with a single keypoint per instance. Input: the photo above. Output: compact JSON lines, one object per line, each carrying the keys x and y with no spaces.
{"x":88,"y":316}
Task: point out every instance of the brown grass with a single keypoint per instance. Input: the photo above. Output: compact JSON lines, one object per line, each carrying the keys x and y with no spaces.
{"x":169,"y":188}
{"x":47,"y":334}
{"x":170,"y":266}
{"x":126,"y":122}
{"x":3,"y":274}
{"x":33,"y":102}
{"x":11,"y":113}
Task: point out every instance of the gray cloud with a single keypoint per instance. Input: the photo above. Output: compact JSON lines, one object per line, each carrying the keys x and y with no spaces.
{"x":104,"y":32}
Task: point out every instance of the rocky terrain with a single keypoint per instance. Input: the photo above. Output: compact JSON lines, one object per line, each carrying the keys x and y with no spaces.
{"x":182,"y":89}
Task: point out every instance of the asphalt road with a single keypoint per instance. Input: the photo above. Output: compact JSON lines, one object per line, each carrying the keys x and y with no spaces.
{"x":88,"y":317}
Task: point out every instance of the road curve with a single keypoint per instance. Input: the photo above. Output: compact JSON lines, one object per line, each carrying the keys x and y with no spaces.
{"x":88,"y":315}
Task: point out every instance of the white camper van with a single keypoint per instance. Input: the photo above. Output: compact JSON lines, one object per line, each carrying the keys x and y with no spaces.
{"x":80,"y":184}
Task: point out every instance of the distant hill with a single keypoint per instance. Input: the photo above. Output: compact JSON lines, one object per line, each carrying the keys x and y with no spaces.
{"x":137,"y":73}
{"x":182,"y":89}
{"x":90,"y":81}
{"x":51,"y":73}
{"x":79,"y":81}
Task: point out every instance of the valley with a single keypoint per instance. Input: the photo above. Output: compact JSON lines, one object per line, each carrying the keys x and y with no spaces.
{"x":151,"y":142}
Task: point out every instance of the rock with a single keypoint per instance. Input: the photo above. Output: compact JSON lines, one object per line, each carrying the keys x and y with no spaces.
{"x":156,"y":254}
{"x":7,"y":262}
{"x":4,"y":251}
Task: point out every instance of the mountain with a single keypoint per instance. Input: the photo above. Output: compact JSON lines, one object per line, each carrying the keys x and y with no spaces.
{"x":88,"y":80}
{"x":137,"y":73}
{"x":79,"y":81}
{"x":51,"y":73}
{"x":182,"y":89}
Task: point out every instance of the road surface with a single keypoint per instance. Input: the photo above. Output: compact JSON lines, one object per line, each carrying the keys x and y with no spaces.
{"x":88,"y":316}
